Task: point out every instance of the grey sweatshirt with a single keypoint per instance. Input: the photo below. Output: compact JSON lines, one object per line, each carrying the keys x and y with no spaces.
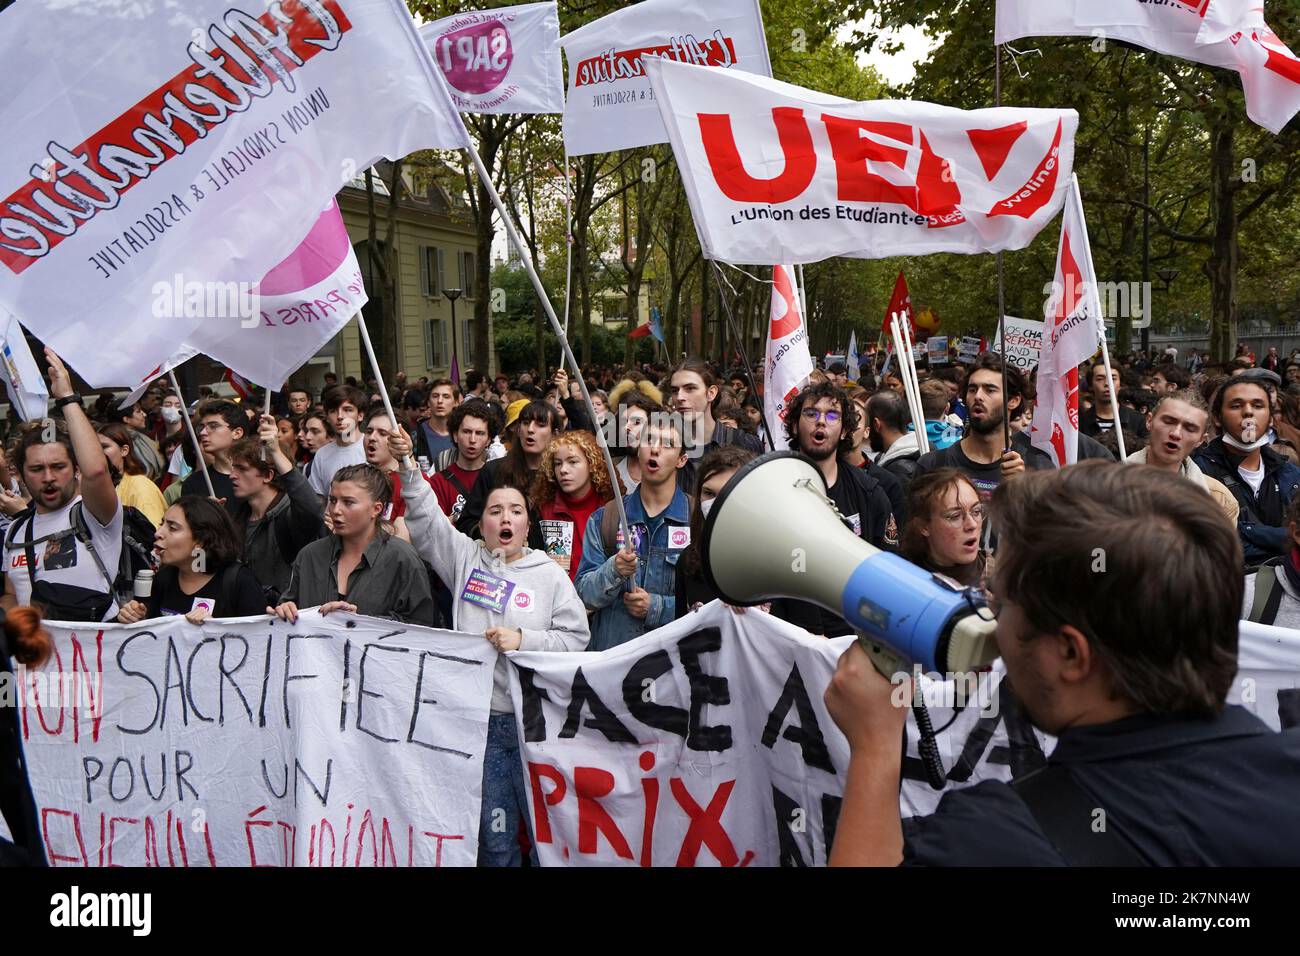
{"x":541,"y":602}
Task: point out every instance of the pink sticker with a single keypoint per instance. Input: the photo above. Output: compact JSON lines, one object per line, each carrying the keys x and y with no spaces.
{"x":476,"y":58}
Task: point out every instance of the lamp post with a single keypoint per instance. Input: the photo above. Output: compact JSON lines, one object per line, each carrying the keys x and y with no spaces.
{"x":453,"y":295}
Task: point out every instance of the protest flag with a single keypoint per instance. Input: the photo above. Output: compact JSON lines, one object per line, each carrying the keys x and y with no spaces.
{"x":852,"y":363}
{"x":788,"y":362}
{"x":1230,"y":34}
{"x":188,"y":140}
{"x":610,"y":105}
{"x":1071,"y":334}
{"x":504,"y":60}
{"x":24,"y":383}
{"x":900,"y":303}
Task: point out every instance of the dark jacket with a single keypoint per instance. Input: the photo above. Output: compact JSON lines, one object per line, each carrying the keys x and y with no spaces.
{"x":1261,"y":522}
{"x":490,"y":478}
{"x":391,"y":580}
{"x":294,"y":520}
{"x":1128,"y":418}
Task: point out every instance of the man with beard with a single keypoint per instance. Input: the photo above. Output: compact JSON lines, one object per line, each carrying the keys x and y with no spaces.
{"x":1130,"y":669}
{"x":63,"y":552}
{"x":820,"y":423}
{"x":982,"y":455}
{"x":1262,"y":481}
{"x":889,"y":436}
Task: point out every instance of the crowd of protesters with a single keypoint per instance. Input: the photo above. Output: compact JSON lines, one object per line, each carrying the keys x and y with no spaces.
{"x":488,"y":487}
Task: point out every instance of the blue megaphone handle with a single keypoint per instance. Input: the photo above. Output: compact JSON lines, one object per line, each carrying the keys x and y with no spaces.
{"x":902,"y":606}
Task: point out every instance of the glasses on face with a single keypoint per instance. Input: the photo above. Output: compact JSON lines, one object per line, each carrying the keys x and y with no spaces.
{"x":956,"y":517}
{"x":812,"y":414}
{"x":211,"y":427}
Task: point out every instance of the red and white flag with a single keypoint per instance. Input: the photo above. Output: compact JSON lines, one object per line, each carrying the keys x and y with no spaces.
{"x":780,"y":174}
{"x":1225,"y":33}
{"x":788,"y":362}
{"x":197,"y":139}
{"x":610,"y":104}
{"x":900,"y":303}
{"x":1072,"y":333}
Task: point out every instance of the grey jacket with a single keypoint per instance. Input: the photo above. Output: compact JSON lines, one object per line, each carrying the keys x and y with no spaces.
{"x":391,"y":580}
{"x":294,"y":520}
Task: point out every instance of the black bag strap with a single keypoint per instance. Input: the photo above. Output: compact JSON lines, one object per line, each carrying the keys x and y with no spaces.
{"x":1268,"y":594}
{"x":1066,"y":814}
{"x":451,"y":476}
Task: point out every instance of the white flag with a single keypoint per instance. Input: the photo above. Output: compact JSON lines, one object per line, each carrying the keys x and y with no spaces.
{"x":197,"y":139}
{"x":300,"y":305}
{"x":1071,"y":335}
{"x":1230,"y":34}
{"x":779,"y":174}
{"x":788,"y":362}
{"x":852,"y":364}
{"x":610,"y":104}
{"x":505,"y":60}
{"x":22,"y":376}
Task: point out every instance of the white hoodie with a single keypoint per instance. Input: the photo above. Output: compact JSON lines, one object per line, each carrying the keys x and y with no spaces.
{"x":542,"y":602}
{"x":904,"y":446}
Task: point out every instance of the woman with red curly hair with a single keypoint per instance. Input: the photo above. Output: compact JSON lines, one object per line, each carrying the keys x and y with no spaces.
{"x":25,"y":640}
{"x":572,"y":482}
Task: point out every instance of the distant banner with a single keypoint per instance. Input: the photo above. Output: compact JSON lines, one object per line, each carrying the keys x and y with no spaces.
{"x":197,"y":140}
{"x":1226,"y":33}
{"x":611,"y":105}
{"x":780,"y":174}
{"x":339,"y":741}
{"x":1024,"y":342}
{"x":936,"y":350}
{"x":969,"y":349}
{"x":504,"y":60}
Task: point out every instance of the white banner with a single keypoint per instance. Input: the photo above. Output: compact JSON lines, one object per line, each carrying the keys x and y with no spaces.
{"x":197,"y":139}
{"x":1226,"y":33}
{"x":777,"y":173}
{"x":611,"y":105}
{"x":788,"y":362}
{"x":300,"y":305}
{"x":24,"y":383}
{"x":505,"y":60}
{"x":338,"y":741}
{"x":1072,"y":336}
{"x":1024,"y":342}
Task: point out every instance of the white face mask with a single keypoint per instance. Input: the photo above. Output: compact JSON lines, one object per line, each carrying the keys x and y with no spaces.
{"x":705,"y":506}
{"x":170,"y":414}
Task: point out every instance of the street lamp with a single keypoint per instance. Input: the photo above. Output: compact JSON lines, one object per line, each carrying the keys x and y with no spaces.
{"x":453,"y":295}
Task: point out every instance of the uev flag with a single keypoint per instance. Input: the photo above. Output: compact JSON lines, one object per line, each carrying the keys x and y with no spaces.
{"x":301,"y":304}
{"x":197,"y":140}
{"x":1072,"y":334}
{"x":505,"y":60}
{"x":22,"y":376}
{"x":1226,"y":33}
{"x":611,"y":105}
{"x":788,"y":362}
{"x":780,"y":174}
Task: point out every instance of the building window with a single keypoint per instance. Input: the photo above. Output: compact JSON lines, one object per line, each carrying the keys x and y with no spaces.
{"x":431,"y":270}
{"x":466,"y":262}
{"x":467,"y":343}
{"x":436,"y":343}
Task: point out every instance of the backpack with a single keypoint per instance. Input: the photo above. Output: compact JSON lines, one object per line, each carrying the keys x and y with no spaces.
{"x":136,"y":555}
{"x":1268,"y":593}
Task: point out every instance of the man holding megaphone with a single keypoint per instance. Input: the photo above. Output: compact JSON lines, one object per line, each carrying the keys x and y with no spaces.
{"x":1128,"y":662}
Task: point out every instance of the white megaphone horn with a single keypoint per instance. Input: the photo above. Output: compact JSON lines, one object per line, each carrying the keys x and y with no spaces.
{"x":773,"y":533}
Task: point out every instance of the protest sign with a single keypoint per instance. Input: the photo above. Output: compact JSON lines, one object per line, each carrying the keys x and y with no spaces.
{"x":198,"y":140}
{"x":611,"y":105}
{"x":777,"y":173}
{"x":505,"y":60}
{"x":1024,"y":342}
{"x":936,"y":349}
{"x":787,"y":363}
{"x":338,"y":741}
{"x":969,"y":349}
{"x":1226,"y":33}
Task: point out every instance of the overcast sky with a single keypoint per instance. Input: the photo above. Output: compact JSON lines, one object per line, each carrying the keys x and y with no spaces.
{"x":901,"y":66}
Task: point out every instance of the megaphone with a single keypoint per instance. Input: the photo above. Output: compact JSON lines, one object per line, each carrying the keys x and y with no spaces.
{"x":774,"y":533}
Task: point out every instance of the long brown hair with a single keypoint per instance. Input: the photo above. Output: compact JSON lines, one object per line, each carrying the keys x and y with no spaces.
{"x":118,"y":434}
{"x":922,"y":494}
{"x":725,"y":458}
{"x":545,"y":489}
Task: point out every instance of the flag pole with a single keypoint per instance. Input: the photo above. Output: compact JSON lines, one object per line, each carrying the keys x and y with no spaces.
{"x":408,"y":464}
{"x":266,"y":410}
{"x":740,"y":344}
{"x":194,"y":437}
{"x":903,"y":352}
{"x":568,"y":242}
{"x":1002,"y":290}
{"x":513,"y":234}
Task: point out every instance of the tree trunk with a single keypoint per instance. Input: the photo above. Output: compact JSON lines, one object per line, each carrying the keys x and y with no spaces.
{"x":1221,"y":267}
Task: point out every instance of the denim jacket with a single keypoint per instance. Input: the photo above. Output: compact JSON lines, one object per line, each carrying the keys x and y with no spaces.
{"x":601,"y":587}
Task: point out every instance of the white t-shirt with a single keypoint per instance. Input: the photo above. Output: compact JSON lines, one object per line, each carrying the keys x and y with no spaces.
{"x":329,"y":459}
{"x":75,"y":566}
{"x":1253,"y":478}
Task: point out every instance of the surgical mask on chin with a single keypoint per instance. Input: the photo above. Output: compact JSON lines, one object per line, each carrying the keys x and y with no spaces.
{"x":705,"y":506}
{"x":171,"y":415}
{"x":1241,"y":446}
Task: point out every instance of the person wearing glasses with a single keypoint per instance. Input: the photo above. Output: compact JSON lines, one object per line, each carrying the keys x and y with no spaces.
{"x":945,"y":526}
{"x":820,"y":423}
{"x":221,"y":427}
